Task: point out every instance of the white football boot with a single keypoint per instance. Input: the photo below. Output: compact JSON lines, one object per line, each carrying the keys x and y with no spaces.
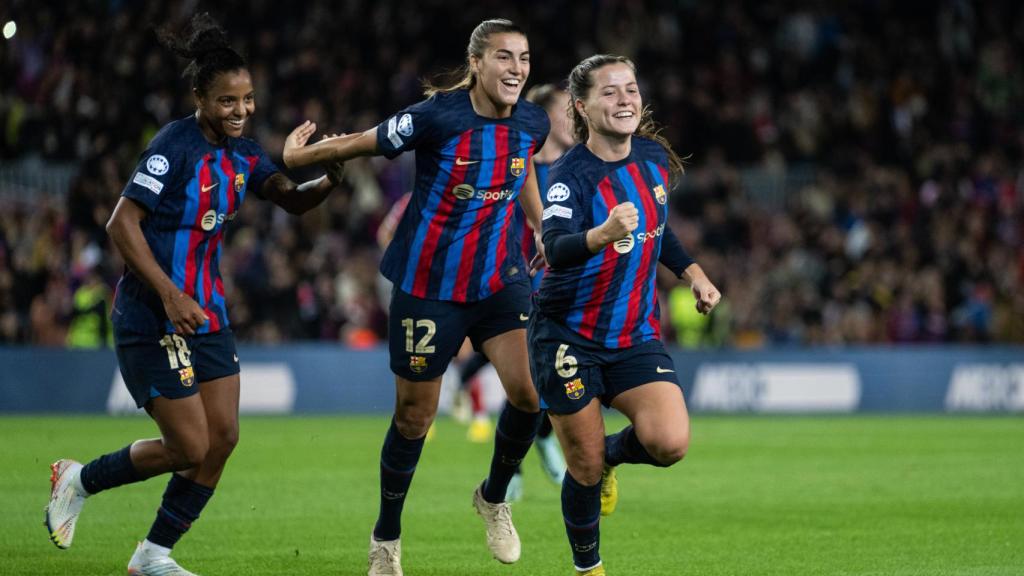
{"x":502,"y":538}
{"x":146,"y":562}
{"x":66,"y":500}
{"x":385,"y":557}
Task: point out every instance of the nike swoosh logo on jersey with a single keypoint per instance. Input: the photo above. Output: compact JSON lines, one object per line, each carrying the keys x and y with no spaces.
{"x":461,"y":162}
{"x":661,"y":370}
{"x":210,"y":187}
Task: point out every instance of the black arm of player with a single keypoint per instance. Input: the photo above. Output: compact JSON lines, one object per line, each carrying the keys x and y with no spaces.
{"x":125,"y":230}
{"x":296,"y":198}
{"x":673,"y":255}
{"x":337,"y":149}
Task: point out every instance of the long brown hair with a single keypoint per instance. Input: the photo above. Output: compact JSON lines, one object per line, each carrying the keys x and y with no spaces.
{"x":463,"y":76}
{"x":581,"y":81}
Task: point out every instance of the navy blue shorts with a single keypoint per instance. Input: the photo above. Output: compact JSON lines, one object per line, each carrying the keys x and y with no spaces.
{"x":569,"y":370}
{"x":174,"y":365}
{"x":424,"y":335}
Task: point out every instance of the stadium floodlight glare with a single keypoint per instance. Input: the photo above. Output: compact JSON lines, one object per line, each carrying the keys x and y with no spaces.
{"x":10,"y":28}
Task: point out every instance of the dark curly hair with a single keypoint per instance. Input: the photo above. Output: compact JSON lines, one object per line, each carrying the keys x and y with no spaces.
{"x":206,"y":44}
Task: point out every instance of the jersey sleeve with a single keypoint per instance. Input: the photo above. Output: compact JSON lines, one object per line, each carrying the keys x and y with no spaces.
{"x":160,"y":167}
{"x":407,"y":129}
{"x":262,"y":168}
{"x":563,"y":204}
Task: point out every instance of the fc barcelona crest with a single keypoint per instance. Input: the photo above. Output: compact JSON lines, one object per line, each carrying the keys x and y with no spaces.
{"x":418,"y":364}
{"x":187,"y":376}
{"x":659,"y":194}
{"x":239,"y":183}
{"x":517,"y":166}
{"x":574,"y":389}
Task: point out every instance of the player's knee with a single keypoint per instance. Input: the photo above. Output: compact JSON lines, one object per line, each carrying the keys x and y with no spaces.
{"x":223,"y":442}
{"x":669,"y":450}
{"x":523,"y":396}
{"x":587,"y":474}
{"x":187,"y":456}
{"x":414,"y":422}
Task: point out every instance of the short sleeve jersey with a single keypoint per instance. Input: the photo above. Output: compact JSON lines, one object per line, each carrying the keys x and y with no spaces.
{"x":611,"y":298}
{"x":458,"y":240}
{"x":191,"y":189}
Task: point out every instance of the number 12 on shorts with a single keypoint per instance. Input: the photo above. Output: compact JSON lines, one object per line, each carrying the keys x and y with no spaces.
{"x":423,"y":346}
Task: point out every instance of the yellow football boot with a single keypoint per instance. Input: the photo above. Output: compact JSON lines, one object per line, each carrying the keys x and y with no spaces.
{"x":609,"y":491}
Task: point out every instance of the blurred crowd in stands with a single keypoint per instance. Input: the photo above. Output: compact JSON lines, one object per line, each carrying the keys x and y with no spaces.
{"x":854,"y":175}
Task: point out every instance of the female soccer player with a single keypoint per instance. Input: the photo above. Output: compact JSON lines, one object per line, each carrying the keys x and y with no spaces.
{"x":457,"y":267}
{"x":595,"y":329}
{"x":175,"y":349}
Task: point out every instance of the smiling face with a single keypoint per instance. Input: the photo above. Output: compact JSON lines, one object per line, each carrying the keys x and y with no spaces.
{"x":502,"y":70}
{"x":225,"y":106}
{"x":612,"y":106}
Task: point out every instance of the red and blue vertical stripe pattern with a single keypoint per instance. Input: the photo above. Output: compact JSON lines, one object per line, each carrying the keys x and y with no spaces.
{"x":616,"y":303}
{"x":463,"y":245}
{"x":210,"y":197}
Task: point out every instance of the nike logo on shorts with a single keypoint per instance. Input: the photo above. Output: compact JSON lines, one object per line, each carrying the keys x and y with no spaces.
{"x":661,"y":370}
{"x":524,"y":317}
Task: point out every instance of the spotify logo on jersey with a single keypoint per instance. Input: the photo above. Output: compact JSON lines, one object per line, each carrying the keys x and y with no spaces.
{"x":463,"y":191}
{"x":209,"y":220}
{"x":625,"y":245}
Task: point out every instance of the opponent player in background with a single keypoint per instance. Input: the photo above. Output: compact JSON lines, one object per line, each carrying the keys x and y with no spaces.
{"x":457,"y":267}
{"x":174,"y":346}
{"x":595,"y":331}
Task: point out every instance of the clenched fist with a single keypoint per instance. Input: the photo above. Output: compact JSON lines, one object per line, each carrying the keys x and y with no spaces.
{"x":622,"y":220}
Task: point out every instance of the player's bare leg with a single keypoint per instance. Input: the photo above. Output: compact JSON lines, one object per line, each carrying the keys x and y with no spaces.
{"x":189,"y":490}
{"x":660,"y":419}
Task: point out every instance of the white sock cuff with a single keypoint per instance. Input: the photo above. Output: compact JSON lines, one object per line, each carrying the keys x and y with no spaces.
{"x":155,"y":549}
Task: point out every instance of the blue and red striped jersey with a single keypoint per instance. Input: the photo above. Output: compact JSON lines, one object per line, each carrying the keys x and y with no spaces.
{"x":611,"y":298}
{"x":190,"y":189}
{"x":457,"y":240}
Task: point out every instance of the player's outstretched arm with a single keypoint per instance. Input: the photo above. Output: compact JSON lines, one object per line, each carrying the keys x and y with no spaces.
{"x":299,"y":198}
{"x":125,"y":230}
{"x":338,"y":149}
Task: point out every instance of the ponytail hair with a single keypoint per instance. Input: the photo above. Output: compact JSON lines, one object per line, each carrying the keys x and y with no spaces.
{"x":581,"y":82}
{"x":463,"y":76}
{"x":206,"y":45}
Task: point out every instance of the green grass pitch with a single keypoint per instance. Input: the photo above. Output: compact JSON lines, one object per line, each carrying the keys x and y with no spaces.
{"x":886,"y":495}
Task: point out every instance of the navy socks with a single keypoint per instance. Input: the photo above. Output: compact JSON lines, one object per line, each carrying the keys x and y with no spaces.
{"x":109,"y":471}
{"x":625,"y":448}
{"x":581,"y":510}
{"x":398,"y":460}
{"x":183,"y":501}
{"x":512,"y":439}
